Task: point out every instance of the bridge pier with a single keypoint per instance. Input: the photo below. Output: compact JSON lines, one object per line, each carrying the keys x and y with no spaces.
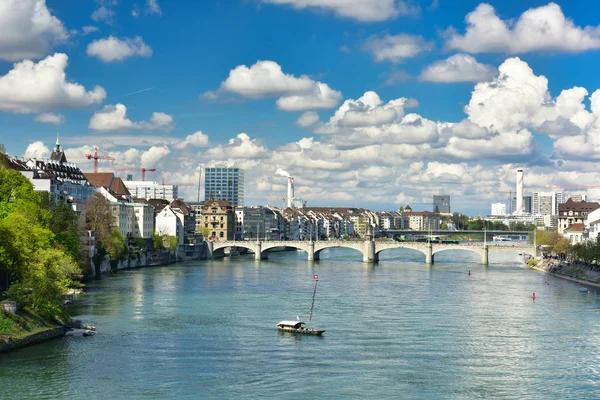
{"x":258,"y":254}
{"x":485,"y":256}
{"x":312,"y":256}
{"x":429,"y":253}
{"x":369,"y":254}
{"x":210,"y":247}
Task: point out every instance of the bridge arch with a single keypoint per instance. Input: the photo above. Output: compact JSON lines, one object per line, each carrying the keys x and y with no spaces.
{"x":320,"y":248}
{"x":411,"y":249}
{"x":218,"y":248}
{"x":477,"y":251}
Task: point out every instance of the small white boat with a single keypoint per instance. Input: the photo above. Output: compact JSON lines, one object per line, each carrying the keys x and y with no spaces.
{"x":583,"y":289}
{"x":297,"y":327}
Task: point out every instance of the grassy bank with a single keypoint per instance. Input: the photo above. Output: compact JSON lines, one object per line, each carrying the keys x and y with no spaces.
{"x":22,"y":324}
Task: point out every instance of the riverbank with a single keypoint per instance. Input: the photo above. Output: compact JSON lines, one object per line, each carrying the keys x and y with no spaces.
{"x":24,"y":329}
{"x":570,"y":273}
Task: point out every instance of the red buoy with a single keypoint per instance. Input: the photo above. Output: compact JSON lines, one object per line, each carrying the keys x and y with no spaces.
{"x":533,"y":296}
{"x":469,"y":273}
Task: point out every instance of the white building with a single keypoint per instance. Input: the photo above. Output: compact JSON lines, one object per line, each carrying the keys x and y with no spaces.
{"x":592,"y":224}
{"x":498,"y":209}
{"x":151,"y":190}
{"x":169,"y":221}
{"x":135,"y":220}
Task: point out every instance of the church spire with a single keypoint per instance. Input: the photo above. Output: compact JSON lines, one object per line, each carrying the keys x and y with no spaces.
{"x":57,"y":142}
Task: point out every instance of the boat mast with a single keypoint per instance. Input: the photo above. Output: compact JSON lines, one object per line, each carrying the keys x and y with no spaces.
{"x":313,"y":299}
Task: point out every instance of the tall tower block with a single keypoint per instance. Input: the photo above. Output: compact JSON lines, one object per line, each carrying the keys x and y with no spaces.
{"x":519,"y":210}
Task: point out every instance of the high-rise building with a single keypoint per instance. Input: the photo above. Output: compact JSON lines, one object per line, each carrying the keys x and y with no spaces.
{"x":222,"y":183}
{"x":441,"y":204}
{"x":519,"y":206}
{"x":546,"y":203}
{"x":526,"y":204}
{"x":577,"y":197}
{"x":498,"y":209}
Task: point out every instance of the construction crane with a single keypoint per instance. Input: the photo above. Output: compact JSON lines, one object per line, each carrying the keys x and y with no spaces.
{"x":144,"y":170}
{"x":97,"y":157}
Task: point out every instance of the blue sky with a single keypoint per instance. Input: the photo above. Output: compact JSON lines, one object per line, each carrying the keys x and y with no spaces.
{"x":186,"y":83}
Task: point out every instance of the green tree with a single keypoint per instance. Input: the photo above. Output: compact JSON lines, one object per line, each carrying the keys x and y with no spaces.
{"x":99,"y":219}
{"x":116,"y":245}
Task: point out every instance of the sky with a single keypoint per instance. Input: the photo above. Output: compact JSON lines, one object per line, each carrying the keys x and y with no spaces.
{"x":374,"y":104}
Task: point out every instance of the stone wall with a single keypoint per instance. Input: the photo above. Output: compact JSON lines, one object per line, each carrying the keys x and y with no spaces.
{"x":7,"y":343}
{"x":143,"y":259}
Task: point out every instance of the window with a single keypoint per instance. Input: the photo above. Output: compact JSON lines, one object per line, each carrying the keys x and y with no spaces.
{"x":220,"y":234}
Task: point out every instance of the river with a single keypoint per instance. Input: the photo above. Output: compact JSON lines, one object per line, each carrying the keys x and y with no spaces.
{"x":398,"y":329}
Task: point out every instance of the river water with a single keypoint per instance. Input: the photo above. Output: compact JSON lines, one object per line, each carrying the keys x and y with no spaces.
{"x":398,"y":329}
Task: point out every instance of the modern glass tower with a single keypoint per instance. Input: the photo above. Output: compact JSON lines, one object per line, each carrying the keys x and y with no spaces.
{"x":222,"y":183}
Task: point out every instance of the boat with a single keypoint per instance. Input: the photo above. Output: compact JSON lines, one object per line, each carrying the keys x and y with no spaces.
{"x":298,"y":327}
{"x":583,"y":289}
{"x":501,"y":238}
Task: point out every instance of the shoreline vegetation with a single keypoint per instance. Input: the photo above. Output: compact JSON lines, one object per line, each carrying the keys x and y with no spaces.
{"x":24,"y":329}
{"x":573,"y":273}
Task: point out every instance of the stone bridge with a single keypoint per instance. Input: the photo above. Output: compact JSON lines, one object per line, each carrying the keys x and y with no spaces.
{"x":369,"y":249}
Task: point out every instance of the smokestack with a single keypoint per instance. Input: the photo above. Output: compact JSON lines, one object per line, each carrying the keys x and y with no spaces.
{"x":519,"y":210}
{"x":290,"y":195}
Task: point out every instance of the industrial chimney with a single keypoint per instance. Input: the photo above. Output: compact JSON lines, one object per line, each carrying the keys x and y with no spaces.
{"x":290,"y":196}
{"x":519,"y":210}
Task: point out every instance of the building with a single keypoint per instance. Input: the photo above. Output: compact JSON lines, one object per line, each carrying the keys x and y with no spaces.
{"x":441,"y":204}
{"x":197,"y":209}
{"x":256,"y":222}
{"x":61,"y":179}
{"x":498,"y":209}
{"x":575,"y":233}
{"x":577,"y":197}
{"x":151,"y":190}
{"x":592,"y":224}
{"x":219,"y":217}
{"x":572,"y":212}
{"x":527,"y":205}
{"x":221,"y":183}
{"x":422,"y":220}
{"x":518,"y":210}
{"x":110,"y":186}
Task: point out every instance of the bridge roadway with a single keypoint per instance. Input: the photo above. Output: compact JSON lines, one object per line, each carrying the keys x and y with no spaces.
{"x":369,"y":249}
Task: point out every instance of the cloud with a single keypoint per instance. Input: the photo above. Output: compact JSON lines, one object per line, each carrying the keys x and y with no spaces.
{"x":307,"y":119}
{"x":114,"y":49}
{"x":86,"y":30}
{"x":510,"y":100}
{"x":266,"y":79}
{"x":37,"y":150}
{"x":241,"y":147}
{"x":37,"y":87}
{"x":28,"y":30}
{"x":152,"y":7}
{"x":113,"y":118}
{"x":396,"y":48}
{"x":364,"y":10}
{"x":543,"y":28}
{"x":50,"y":118}
{"x":197,"y":139}
{"x":154,"y":154}
{"x":458,"y":68}
{"x":103,"y":14}
{"x":367,"y":110}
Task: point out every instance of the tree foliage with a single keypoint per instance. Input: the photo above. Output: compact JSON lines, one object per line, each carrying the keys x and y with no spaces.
{"x":39,"y":264}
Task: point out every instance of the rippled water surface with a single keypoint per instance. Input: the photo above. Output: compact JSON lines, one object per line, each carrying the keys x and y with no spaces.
{"x":398,"y":329}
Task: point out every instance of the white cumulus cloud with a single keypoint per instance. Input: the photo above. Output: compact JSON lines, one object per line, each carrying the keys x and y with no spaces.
{"x":266,"y":79}
{"x":458,"y":68}
{"x":543,"y":28}
{"x":363,"y":10}
{"x":114,"y":49}
{"x":28,"y":30}
{"x":36,"y":87}
{"x":51,"y":118}
{"x":114,"y":118}
{"x":396,"y":48}
{"x":197,"y":139}
{"x":37,"y":150}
